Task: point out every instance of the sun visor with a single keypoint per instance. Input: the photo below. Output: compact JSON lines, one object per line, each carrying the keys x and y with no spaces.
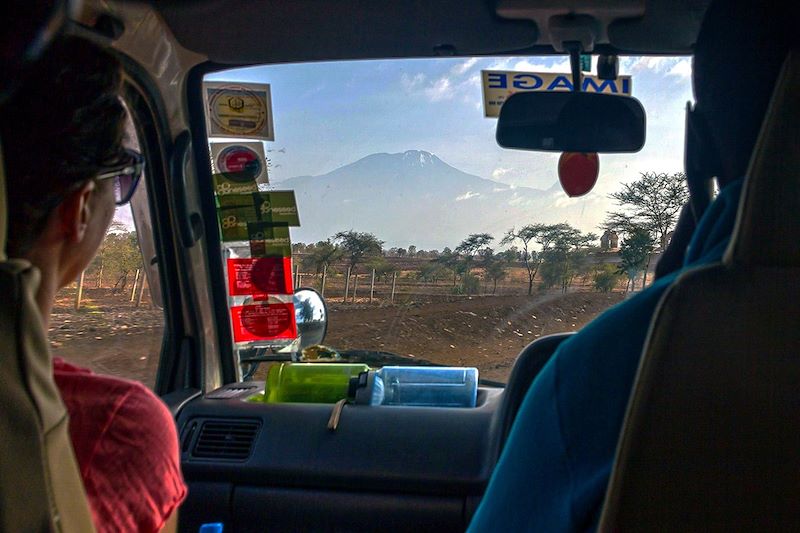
{"x":237,"y":32}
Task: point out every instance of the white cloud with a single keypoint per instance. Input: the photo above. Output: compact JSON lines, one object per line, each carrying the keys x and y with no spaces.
{"x":410,"y":83}
{"x":527,"y":66}
{"x":682,"y":69}
{"x":516,"y":199}
{"x":562,"y":200}
{"x":499,"y":172}
{"x":673,"y":66}
{"x":441,"y":89}
{"x":463,"y":67}
{"x":466,"y":196}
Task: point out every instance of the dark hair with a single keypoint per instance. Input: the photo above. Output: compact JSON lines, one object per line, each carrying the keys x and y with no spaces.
{"x":739,"y":52}
{"x":59,"y":130}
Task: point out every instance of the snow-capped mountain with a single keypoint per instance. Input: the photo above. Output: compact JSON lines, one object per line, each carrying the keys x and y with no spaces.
{"x":414,"y":197}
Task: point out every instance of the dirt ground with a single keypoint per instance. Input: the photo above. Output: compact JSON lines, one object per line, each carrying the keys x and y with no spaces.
{"x":486,"y":332}
{"x":108,"y":334}
{"x":112,"y":336}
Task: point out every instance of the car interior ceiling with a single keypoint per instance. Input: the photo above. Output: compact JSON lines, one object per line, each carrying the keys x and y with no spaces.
{"x":297,"y":474}
{"x":416,"y":29}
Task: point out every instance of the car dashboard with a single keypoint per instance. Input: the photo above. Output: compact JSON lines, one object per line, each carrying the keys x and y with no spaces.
{"x":278,"y":467}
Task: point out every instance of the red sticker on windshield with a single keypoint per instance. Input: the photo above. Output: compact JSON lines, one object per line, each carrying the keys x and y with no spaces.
{"x":260,"y":276}
{"x":263,"y":322}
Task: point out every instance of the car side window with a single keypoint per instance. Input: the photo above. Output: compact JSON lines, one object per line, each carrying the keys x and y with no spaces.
{"x":111,"y":318}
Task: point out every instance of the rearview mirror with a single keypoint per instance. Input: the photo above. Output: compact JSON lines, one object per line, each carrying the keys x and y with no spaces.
{"x":571,"y":122}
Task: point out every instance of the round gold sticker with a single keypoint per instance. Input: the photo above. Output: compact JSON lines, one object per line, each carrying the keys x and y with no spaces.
{"x":238,"y":111}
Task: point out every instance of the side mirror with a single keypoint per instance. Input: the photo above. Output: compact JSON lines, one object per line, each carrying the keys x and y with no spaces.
{"x":571,"y":122}
{"x":311,"y":315}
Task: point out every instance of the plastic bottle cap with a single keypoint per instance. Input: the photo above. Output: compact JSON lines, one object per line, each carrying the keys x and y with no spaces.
{"x":356,"y":382}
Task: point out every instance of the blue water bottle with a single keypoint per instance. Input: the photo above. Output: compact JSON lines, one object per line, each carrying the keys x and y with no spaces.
{"x":417,"y":386}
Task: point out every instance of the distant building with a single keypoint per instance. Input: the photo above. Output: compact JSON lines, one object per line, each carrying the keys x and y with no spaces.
{"x":609,"y":241}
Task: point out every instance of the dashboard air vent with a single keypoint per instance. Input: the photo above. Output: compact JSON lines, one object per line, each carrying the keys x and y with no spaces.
{"x":231,"y":440}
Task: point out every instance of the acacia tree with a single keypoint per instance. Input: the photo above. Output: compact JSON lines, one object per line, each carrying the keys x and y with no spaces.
{"x":470,"y":247}
{"x":542,"y":234}
{"x":98,"y":264}
{"x":357,"y":246}
{"x":495,"y":266}
{"x":634,"y":252}
{"x":565,"y":255}
{"x":651,"y":203}
{"x":451,"y":261}
{"x":119,"y":256}
{"x":321,"y":256}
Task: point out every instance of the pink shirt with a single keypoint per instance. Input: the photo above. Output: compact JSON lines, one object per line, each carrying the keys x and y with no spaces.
{"x":127,"y":449}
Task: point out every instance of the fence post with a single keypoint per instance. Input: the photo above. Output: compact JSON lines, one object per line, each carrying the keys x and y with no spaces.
{"x":79,"y":294}
{"x":99,"y":281}
{"x":346,"y":286}
{"x":296,"y":275}
{"x":394,"y":279}
{"x":141,"y":291}
{"x":355,"y":286}
{"x":135,"y":282}
{"x":299,"y":279}
{"x":324,"y":275}
{"x":372,"y":286}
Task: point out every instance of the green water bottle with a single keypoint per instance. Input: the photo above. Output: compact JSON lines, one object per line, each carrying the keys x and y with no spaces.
{"x":310,"y":382}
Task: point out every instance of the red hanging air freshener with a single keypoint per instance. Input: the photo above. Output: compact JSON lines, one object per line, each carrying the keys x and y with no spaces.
{"x":578,"y":172}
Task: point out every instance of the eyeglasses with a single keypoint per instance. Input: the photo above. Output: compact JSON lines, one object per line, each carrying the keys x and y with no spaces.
{"x":125,"y":175}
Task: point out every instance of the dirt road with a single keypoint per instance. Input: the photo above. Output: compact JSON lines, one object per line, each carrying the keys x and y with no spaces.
{"x":110,"y":335}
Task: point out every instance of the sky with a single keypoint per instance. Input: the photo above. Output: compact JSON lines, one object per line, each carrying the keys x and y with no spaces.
{"x":330,"y":114}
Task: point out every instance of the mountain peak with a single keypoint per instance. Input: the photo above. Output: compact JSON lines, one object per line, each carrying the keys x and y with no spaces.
{"x":419,"y":158}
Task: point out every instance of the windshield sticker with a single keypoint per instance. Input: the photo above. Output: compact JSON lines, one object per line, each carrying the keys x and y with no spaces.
{"x":239,"y":110}
{"x":259,"y":277}
{"x":269,"y":240}
{"x":498,"y":85}
{"x":263,"y":322}
{"x":238,"y":164}
{"x":234,"y":183}
{"x":236,"y":210}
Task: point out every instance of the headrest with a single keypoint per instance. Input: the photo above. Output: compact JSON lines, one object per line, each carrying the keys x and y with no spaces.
{"x":768,"y":226}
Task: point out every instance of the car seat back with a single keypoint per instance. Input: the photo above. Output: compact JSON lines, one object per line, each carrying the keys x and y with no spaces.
{"x":40,"y":485}
{"x":711,"y":438}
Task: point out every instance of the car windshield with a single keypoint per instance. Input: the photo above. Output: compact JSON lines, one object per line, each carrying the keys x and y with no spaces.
{"x":426,"y":238}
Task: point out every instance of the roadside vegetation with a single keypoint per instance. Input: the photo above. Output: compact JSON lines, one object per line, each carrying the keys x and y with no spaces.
{"x":551,"y":256}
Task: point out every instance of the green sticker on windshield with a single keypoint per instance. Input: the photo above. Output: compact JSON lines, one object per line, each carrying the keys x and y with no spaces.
{"x":235,"y":211}
{"x":234,"y":183}
{"x":268,"y":240}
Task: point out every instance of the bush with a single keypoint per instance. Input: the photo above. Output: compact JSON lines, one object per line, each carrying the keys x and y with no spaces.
{"x":606,"y":278}
{"x":471,"y":284}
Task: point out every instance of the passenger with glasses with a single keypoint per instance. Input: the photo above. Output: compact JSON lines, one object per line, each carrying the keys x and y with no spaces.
{"x":67,"y":168}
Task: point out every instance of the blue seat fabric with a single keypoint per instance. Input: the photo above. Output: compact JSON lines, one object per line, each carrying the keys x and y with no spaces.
{"x":554,"y":469}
